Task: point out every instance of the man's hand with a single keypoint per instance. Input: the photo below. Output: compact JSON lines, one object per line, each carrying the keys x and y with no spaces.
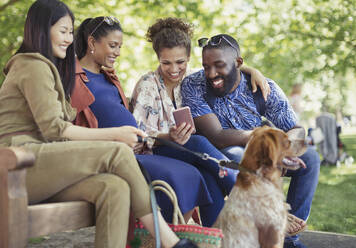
{"x":138,"y":148}
{"x":209,"y":126}
{"x":257,"y":79}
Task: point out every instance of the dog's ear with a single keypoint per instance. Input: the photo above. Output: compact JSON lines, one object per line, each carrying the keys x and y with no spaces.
{"x":269,"y":158}
{"x":268,"y":149}
{"x":298,"y":143}
{"x":296,"y":133}
{"x":259,"y":150}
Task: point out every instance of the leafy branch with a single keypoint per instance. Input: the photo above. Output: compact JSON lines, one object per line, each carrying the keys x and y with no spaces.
{"x":9,"y":3}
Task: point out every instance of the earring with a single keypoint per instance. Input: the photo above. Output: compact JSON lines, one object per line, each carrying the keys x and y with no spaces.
{"x":91,"y":51}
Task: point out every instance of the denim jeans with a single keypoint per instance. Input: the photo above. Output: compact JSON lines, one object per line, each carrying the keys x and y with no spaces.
{"x":302,"y":185}
{"x":218,"y":187}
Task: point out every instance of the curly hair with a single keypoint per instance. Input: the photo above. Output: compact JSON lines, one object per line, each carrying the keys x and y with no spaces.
{"x":170,"y":32}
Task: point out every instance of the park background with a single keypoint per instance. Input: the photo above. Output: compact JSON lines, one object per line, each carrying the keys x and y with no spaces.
{"x":308,"y":42}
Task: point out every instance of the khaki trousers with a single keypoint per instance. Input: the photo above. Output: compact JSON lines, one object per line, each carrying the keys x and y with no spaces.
{"x":111,"y":196}
{"x":103,"y":173}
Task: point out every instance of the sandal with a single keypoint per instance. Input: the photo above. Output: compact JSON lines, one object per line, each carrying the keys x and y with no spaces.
{"x":295,"y":225}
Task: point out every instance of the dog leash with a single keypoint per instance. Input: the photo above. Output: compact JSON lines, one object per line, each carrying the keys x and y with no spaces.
{"x":223,"y":164}
{"x":204,"y":156}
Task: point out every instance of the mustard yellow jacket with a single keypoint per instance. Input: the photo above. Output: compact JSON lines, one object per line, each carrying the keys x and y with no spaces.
{"x":33,"y":107}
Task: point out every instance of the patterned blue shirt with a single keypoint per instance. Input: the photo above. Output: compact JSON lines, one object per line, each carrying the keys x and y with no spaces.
{"x":237,"y":109}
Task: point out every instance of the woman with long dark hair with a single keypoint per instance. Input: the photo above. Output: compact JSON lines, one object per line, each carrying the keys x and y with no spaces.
{"x":72,"y":162}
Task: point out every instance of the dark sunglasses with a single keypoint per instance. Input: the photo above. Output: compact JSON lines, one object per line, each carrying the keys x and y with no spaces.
{"x":110,"y":20}
{"x":214,"y":41}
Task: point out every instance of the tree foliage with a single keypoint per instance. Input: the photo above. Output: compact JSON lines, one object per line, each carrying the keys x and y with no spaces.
{"x":294,"y":41}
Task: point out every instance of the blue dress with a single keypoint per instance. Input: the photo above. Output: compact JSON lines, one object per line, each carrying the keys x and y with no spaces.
{"x":185,"y":179}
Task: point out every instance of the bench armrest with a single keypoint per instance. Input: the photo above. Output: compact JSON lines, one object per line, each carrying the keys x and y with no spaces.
{"x":15,"y":158}
{"x":13,"y":196}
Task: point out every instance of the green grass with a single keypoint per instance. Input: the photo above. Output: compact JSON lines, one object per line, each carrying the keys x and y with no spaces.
{"x":350,"y":144}
{"x":36,"y":240}
{"x":334,"y":203}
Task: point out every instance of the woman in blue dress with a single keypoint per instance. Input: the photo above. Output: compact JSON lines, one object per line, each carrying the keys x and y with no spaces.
{"x":100,"y":102}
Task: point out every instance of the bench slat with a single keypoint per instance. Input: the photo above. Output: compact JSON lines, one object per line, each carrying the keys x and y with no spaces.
{"x":57,"y":217}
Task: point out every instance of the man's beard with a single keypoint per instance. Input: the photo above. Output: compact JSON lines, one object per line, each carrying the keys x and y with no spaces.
{"x":229,"y":82}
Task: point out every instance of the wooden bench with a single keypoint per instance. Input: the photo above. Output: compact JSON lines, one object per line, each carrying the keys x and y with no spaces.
{"x":20,"y":221}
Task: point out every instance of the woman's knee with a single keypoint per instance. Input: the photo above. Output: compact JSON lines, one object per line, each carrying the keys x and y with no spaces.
{"x":124,"y":150}
{"x":234,"y":153}
{"x":191,"y":173}
{"x":115,"y":187}
{"x":109,"y":188}
{"x":312,"y":160}
{"x":198,"y":140}
{"x":113,"y":196}
{"x":123,"y":156}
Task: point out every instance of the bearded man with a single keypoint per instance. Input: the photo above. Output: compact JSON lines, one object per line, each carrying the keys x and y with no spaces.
{"x":225,"y":110}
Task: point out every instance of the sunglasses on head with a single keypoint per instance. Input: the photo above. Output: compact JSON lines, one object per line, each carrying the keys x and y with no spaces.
{"x":215,"y":41}
{"x":110,"y":20}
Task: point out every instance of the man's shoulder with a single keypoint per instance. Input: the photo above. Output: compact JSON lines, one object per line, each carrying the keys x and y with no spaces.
{"x":247,"y":77}
{"x":273,"y":85}
{"x":270,"y":81}
{"x":275,"y":89}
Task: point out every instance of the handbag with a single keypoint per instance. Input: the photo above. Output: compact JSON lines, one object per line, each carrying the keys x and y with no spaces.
{"x":204,"y":237}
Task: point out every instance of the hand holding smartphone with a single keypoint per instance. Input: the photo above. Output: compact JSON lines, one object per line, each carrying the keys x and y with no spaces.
{"x":183,"y":115}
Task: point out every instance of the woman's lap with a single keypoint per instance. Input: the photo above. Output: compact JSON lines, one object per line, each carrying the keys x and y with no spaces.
{"x":217,"y":186}
{"x":62,"y":164}
{"x":209,"y":213}
{"x":185,"y":179}
{"x":201,"y":144}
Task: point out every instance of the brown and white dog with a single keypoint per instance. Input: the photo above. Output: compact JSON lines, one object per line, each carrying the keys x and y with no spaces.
{"x":255,"y":213}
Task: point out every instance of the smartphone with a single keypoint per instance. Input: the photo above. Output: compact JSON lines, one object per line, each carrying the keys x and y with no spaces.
{"x":183,"y":115}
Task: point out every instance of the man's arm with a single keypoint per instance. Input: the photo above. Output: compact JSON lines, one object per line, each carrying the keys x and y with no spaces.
{"x":209,"y":126}
{"x":278,"y":109}
{"x":257,"y":79}
{"x":206,"y":122}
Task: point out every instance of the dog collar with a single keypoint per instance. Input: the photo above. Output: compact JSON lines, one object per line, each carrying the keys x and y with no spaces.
{"x":244,"y":169}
